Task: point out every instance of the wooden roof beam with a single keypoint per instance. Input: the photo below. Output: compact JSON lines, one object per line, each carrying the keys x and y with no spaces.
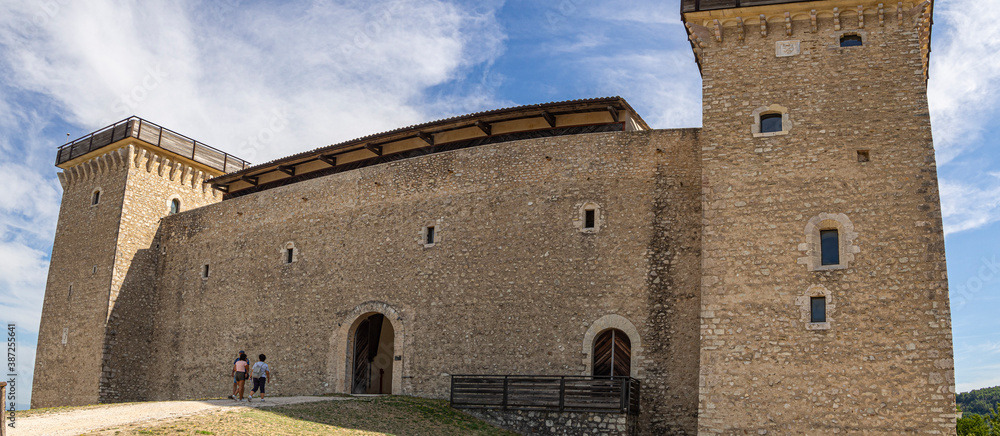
{"x":429,"y":139}
{"x":614,"y":113}
{"x":251,"y":180}
{"x":220,"y":187}
{"x":330,"y":159}
{"x":485,"y":127}
{"x":287,"y":169}
{"x":377,"y":149}
{"x":549,"y":118}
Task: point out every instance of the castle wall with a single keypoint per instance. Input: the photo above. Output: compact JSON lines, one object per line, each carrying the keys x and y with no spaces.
{"x":511,"y":285}
{"x":83,"y":256}
{"x":154,"y":180}
{"x":884,"y":365}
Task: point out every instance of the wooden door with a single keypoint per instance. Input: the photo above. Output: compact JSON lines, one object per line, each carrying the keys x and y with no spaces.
{"x":612,"y":354}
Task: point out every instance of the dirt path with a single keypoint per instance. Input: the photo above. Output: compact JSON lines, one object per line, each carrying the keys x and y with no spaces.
{"x":74,"y":422}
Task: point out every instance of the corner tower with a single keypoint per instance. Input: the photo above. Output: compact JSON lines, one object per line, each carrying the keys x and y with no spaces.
{"x":117,"y":184}
{"x":824,"y":293}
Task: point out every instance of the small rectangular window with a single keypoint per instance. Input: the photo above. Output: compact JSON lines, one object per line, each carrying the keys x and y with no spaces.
{"x":589,"y":218}
{"x":830,"y":245}
{"x":863,"y":156}
{"x":770,"y":123}
{"x":289,"y":255}
{"x":204,"y":271}
{"x":430,"y":235}
{"x":818,"y":309}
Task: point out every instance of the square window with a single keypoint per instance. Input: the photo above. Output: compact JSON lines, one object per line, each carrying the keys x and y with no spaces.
{"x":770,"y":123}
{"x":863,"y":156}
{"x":818,"y":309}
{"x":830,"y":246}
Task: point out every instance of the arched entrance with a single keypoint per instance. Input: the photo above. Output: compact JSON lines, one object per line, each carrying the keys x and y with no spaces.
{"x":374,"y":348}
{"x":612,"y":354}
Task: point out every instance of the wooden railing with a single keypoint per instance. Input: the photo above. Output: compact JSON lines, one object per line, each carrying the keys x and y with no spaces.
{"x":708,"y":5}
{"x":162,"y":137}
{"x":546,"y":393}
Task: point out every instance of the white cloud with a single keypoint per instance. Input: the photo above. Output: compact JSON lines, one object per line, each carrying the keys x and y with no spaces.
{"x":964,"y":87}
{"x":965,"y":206}
{"x":663,"y":86}
{"x":218,"y":72}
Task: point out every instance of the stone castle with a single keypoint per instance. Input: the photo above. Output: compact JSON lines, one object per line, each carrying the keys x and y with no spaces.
{"x":780,"y":270}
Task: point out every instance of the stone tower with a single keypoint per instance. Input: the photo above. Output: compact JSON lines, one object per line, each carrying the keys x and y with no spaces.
{"x":824,"y":293}
{"x":117,"y":185}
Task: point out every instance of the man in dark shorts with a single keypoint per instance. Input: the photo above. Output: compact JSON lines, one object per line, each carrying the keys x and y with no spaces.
{"x":260,"y":372}
{"x":233,"y":375}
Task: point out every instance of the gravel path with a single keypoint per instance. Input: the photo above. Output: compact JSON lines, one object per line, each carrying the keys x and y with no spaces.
{"x":75,"y":422}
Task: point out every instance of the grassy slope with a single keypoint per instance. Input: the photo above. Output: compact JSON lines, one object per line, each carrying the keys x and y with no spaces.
{"x":368,"y":416}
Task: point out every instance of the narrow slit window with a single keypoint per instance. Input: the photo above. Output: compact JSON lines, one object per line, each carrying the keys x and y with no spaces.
{"x":851,"y":41}
{"x":70,"y":294}
{"x":96,"y":198}
{"x":289,"y":255}
{"x":430,"y":235}
{"x":175,"y":206}
{"x":589,"y":218}
{"x":818,"y":309}
{"x":830,"y":247}
{"x":770,"y":123}
{"x":204,"y":271}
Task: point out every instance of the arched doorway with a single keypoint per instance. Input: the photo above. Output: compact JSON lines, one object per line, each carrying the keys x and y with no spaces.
{"x":612,"y":354}
{"x":374,"y":346}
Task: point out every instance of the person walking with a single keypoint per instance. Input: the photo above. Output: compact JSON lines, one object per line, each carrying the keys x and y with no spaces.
{"x":240,"y":370}
{"x":261,"y":372}
{"x":242,"y":355}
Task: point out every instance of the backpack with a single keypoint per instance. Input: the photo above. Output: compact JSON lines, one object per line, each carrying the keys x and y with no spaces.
{"x":258,"y":370}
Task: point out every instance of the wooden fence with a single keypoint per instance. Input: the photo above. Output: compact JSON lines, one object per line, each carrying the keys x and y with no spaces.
{"x":151,"y":133}
{"x":708,"y":5}
{"x":546,"y":393}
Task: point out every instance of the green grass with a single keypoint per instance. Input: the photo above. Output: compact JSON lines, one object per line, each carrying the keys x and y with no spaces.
{"x":362,"y":416}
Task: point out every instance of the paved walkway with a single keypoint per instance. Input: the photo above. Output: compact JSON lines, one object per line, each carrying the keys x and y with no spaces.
{"x":75,"y":422}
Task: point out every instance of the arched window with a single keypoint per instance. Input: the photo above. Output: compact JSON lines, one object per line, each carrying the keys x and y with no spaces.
{"x":851,"y":41}
{"x":175,"y":206}
{"x":770,"y":123}
{"x":830,"y":247}
{"x":612,"y":354}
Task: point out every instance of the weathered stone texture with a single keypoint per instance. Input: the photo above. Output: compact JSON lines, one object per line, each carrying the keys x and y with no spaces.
{"x":885,"y":363}
{"x":565,"y":423}
{"x":510,"y":287}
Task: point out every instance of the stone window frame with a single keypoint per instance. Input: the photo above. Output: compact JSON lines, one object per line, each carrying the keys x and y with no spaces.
{"x":95,"y":196}
{"x":290,"y":245}
{"x":170,"y":202}
{"x":205,"y":271}
{"x":804,"y":302}
{"x":437,"y":234}
{"x":65,"y":335}
{"x":837,"y":36}
{"x":607,"y":322}
{"x":812,"y":248}
{"x":786,"y":120}
{"x":580,"y":221}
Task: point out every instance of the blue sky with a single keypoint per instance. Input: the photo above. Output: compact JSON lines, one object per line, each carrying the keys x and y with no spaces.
{"x":331,"y":71}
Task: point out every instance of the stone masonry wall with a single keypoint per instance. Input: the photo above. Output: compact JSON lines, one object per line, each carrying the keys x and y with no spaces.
{"x":884,"y":364}
{"x":153,"y":181}
{"x":83,"y":255}
{"x":510,"y":287}
{"x":555,"y":423}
